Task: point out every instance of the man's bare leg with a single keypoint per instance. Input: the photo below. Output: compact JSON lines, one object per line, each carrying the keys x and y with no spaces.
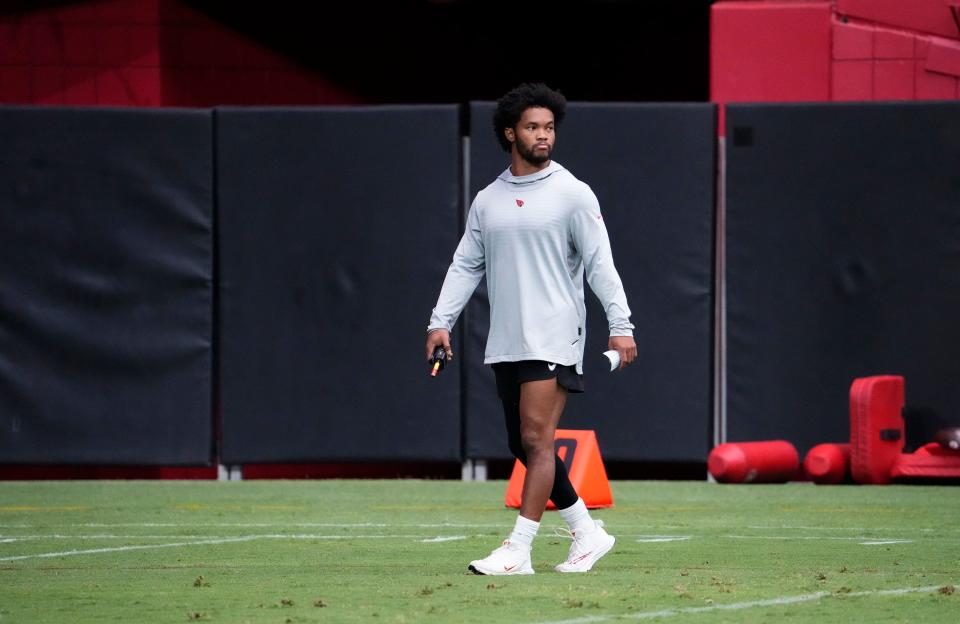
{"x":541,"y":404}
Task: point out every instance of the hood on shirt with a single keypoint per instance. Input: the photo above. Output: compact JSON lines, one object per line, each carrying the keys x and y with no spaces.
{"x":544,"y":173}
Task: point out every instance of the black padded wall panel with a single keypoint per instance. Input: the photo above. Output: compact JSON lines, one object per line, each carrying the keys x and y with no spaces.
{"x":652,"y":169}
{"x":335,"y":229}
{"x":105,"y":286}
{"x":843,"y":261}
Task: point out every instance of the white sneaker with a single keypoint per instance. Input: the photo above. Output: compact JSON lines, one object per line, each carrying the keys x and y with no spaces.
{"x":587,"y":548}
{"x":510,"y":558}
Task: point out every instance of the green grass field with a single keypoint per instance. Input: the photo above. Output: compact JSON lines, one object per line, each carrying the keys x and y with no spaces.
{"x":397,"y":551}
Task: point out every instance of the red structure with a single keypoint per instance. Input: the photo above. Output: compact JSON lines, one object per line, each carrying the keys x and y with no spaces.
{"x":840,"y":50}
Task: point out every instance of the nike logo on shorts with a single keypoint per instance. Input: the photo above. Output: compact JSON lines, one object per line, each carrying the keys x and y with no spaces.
{"x":552,"y":367}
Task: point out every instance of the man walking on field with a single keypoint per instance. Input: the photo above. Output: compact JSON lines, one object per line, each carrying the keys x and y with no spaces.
{"x":535,"y":231}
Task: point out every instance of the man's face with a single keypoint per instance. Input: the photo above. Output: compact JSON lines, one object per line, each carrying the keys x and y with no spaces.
{"x":533,"y":136}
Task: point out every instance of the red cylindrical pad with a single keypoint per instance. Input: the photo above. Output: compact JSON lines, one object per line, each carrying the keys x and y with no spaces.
{"x":828,"y":463}
{"x":774,"y":461}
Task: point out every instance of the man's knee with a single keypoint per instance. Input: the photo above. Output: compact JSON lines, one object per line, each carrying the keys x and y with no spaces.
{"x":536,"y":443}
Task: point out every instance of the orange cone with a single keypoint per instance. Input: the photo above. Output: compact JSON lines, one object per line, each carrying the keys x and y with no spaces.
{"x":828,"y":463}
{"x":581,"y":454}
{"x":774,"y":461}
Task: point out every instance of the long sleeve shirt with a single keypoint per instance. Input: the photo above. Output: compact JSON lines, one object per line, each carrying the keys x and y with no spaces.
{"x":535,"y":237}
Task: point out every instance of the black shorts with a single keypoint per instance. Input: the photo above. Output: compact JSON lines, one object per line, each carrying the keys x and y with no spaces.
{"x":511,"y":374}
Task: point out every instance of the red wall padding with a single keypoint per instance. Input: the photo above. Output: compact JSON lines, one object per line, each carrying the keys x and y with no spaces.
{"x":770,"y":52}
{"x":872,"y":62}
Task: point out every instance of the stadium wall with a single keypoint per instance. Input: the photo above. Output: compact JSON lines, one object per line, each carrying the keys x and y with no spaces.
{"x":163,"y":53}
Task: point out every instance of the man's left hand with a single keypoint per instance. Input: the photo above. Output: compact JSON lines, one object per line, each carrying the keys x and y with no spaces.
{"x":626,"y":347}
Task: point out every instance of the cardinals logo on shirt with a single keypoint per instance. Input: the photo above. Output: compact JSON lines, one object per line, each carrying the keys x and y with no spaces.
{"x":520,"y":203}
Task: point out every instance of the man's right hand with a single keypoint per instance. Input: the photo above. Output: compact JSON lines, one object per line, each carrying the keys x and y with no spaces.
{"x":439,"y":338}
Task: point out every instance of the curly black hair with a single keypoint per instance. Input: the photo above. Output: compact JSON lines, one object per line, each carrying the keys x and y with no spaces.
{"x":510,"y":107}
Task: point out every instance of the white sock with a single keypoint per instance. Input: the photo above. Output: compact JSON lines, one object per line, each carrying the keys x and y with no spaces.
{"x":577,"y":516}
{"x":524,"y":531}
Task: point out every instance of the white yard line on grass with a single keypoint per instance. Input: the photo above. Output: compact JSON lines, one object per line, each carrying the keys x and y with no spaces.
{"x":303,"y":525}
{"x":786,"y":527}
{"x":641,"y":538}
{"x":93,"y":551}
{"x":439,"y":538}
{"x":218,"y":540}
{"x":59,"y":536}
{"x":328,"y":525}
{"x":309,"y":536}
{"x":738,"y":606}
{"x":332,"y":525}
{"x":622,"y":529}
{"x":864,"y":541}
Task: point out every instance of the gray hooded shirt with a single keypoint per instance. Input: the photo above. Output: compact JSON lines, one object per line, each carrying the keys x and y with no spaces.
{"x":535,"y":236}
